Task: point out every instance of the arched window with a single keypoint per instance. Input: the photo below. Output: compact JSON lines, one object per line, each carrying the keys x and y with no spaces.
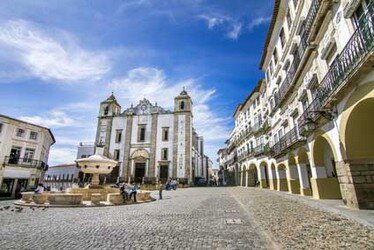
{"x":182,"y":105}
{"x":106,"y":110}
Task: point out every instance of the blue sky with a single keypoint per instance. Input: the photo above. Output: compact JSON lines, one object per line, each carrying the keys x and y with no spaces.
{"x":60,"y":58}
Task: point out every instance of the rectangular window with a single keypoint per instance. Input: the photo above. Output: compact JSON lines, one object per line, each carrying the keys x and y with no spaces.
{"x":118,"y":135}
{"x":289,"y":19}
{"x":1,"y":127}
{"x":29,"y":154}
{"x":116,"y":154}
{"x":21,"y":132}
{"x":33,"y":135}
{"x":164,"y":154}
{"x":282,"y":37}
{"x":275,"y":56}
{"x":141,"y":133}
{"x":165,"y":134}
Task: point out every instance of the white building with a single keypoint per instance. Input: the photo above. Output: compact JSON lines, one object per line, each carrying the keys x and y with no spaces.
{"x":24,"y":151}
{"x":149,"y":142}
{"x":307,"y":128}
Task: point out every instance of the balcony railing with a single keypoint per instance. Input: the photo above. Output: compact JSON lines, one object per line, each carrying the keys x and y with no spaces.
{"x":25,"y":163}
{"x":356,"y":50}
{"x":286,"y":141}
{"x":286,"y":85}
{"x":261,"y":149}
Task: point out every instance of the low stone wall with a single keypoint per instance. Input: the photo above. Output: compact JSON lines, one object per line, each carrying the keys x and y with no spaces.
{"x":87,"y":192}
{"x":65,"y":199}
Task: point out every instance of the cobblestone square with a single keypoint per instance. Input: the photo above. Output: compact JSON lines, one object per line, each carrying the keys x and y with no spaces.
{"x":192,"y":218}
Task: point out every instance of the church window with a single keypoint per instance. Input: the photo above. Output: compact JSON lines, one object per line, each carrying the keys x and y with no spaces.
{"x":165,"y":134}
{"x":164,"y":154}
{"x":118,"y":135}
{"x":182,"y":104}
{"x":106,"y":110}
{"x":116,"y":154}
{"x":141,"y":137}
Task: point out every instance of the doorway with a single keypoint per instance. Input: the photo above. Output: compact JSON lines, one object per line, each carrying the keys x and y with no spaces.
{"x":15,"y":153}
{"x":139,"y":171}
{"x":164,"y":173}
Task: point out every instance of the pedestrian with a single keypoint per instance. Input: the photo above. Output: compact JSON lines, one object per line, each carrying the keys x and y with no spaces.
{"x":160,"y":188}
{"x":134,"y":191}
{"x":39,"y":189}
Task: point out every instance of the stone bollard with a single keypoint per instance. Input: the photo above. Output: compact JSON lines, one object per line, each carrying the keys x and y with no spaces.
{"x":96,"y":198}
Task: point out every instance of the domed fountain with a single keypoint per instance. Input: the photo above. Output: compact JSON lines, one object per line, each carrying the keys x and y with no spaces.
{"x":96,"y":165}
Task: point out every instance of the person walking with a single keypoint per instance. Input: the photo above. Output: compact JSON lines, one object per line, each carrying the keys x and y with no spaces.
{"x":160,"y":188}
{"x":134,"y":191}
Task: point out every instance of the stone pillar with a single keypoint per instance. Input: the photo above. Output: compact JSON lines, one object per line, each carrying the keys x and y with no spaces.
{"x":126,"y":154}
{"x":246,"y":178}
{"x":356,"y":178}
{"x":273,"y":179}
{"x":293,"y":180}
{"x":305,"y":189}
{"x":152,"y":153}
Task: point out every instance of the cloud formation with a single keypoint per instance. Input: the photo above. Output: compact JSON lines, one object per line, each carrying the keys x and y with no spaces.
{"x":231,"y":26}
{"x":50,"y":57}
{"x":54,"y":119}
{"x":155,"y":86}
{"x":257,"y":22}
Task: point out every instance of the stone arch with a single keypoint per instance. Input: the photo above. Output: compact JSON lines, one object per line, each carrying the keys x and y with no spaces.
{"x":358,"y":99}
{"x":359,"y":133}
{"x":357,"y":146}
{"x":325,"y":183}
{"x":140,"y":154}
{"x":293,"y":176}
{"x":305,"y":172}
{"x":282,"y":177}
{"x":252,"y":176}
{"x":264,"y":175}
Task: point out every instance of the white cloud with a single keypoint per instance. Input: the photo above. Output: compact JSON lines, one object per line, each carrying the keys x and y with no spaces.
{"x":257,"y":22}
{"x":50,"y":57}
{"x":231,"y":26}
{"x":152,"y":84}
{"x":235,"y":32}
{"x":54,"y":119}
{"x":213,"y":21}
{"x":61,"y":155}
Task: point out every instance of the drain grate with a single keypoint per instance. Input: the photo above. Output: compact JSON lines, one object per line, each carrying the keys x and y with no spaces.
{"x":233,"y":221}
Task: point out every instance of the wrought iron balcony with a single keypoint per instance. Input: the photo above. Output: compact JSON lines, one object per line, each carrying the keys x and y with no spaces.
{"x":291,"y":138}
{"x":359,"y":47}
{"x":261,"y":149}
{"x":25,"y":163}
{"x":287,"y":85}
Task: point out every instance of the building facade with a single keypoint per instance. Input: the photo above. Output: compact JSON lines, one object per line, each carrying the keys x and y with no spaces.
{"x":24,"y":151}
{"x":306,"y":128}
{"x":149,"y":142}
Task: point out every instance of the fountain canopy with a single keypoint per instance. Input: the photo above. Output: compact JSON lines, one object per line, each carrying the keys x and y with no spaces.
{"x":96,"y":164}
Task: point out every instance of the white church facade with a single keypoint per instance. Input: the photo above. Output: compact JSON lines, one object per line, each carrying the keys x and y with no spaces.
{"x":149,"y":142}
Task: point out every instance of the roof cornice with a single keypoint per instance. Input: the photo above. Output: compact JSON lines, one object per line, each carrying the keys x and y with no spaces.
{"x":270,"y":31}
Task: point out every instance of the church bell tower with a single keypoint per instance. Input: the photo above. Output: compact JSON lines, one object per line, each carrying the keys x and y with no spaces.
{"x":108,"y":110}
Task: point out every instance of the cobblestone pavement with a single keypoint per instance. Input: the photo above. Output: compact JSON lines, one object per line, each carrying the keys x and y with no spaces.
{"x":195,"y":218}
{"x":295,"y":225}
